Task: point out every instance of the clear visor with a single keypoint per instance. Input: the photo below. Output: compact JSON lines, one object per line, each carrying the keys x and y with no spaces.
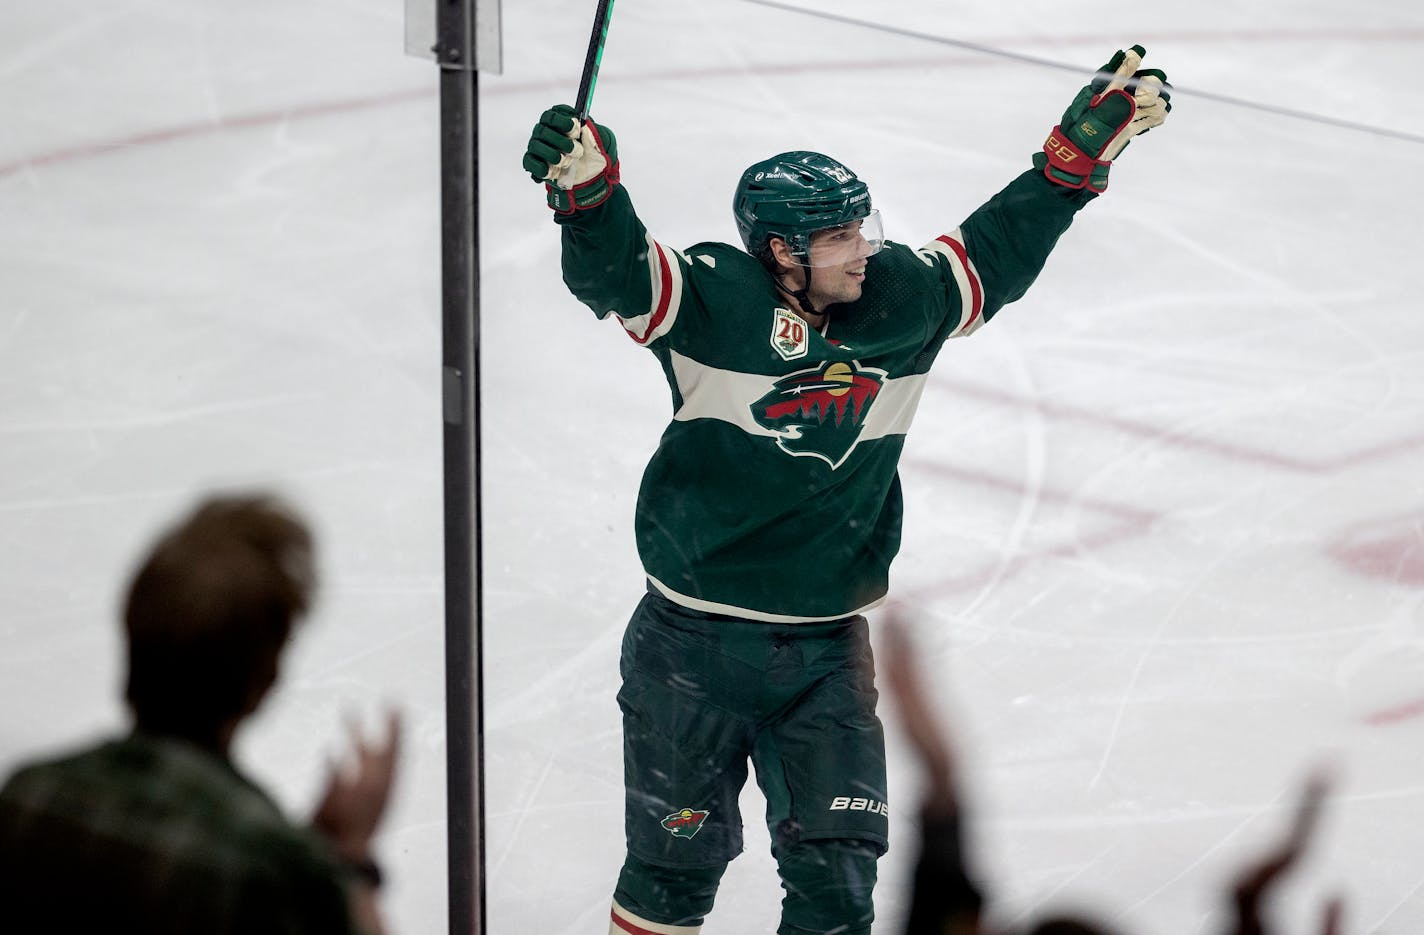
{"x":836,"y":246}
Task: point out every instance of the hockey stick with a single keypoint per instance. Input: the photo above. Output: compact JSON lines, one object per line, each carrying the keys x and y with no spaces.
{"x":595,"y":58}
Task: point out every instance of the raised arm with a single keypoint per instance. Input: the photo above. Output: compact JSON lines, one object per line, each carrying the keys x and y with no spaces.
{"x":610,"y":263}
{"x":996,"y":254}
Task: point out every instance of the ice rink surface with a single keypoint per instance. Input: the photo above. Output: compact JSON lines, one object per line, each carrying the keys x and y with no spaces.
{"x":1165,"y":519}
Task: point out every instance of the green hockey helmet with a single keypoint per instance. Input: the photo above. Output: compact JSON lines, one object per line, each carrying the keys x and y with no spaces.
{"x":792,"y":196}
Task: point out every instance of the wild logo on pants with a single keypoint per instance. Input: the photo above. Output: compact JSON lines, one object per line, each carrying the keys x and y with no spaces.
{"x":686,"y":823}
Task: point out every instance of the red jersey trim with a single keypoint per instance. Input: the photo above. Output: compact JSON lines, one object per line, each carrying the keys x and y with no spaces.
{"x":662,"y":301}
{"x":976,"y":292}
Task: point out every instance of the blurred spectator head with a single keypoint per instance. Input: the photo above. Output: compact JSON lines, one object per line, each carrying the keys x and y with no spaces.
{"x":209,"y":611}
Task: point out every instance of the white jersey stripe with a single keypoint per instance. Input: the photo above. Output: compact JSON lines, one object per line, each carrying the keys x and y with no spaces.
{"x":665,"y":278}
{"x":966,"y":277}
{"x":710,"y":393}
{"x":732,"y":610}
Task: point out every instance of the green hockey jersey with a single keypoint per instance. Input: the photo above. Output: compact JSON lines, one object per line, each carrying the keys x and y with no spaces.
{"x":774,"y":493}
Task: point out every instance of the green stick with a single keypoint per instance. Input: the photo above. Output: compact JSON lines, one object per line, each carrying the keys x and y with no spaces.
{"x":595,"y":57}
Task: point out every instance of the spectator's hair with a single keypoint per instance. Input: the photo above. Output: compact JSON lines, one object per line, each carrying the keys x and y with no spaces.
{"x":209,"y":612}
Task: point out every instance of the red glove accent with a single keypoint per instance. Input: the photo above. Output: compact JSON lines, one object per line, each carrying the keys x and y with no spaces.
{"x":1068,"y":160}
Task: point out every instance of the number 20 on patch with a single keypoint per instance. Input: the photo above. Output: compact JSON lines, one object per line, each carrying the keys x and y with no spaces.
{"x":789,"y":336}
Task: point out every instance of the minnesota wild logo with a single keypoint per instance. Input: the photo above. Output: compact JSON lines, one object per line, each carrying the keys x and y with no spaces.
{"x":820,"y":412}
{"x":686,"y":823}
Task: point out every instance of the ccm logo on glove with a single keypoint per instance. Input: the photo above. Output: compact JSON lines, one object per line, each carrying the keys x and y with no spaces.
{"x":1060,"y":150}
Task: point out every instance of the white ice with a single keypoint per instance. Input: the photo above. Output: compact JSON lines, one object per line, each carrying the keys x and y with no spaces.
{"x":1165,"y":525}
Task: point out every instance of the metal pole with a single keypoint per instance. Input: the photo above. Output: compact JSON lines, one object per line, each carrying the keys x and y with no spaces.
{"x":464,"y":727}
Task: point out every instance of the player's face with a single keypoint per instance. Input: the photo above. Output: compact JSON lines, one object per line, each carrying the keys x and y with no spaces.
{"x":837,"y":264}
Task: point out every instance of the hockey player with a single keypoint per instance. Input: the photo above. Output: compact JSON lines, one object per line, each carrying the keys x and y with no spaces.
{"x":769,"y":514}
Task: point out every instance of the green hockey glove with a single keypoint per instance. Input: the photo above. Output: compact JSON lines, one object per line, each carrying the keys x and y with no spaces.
{"x":577,"y":162}
{"x":1119,"y":103}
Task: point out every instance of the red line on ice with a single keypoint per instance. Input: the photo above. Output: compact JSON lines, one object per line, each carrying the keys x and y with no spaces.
{"x":1404,"y":712}
{"x":1130,"y":523}
{"x":495,"y":87}
{"x":1243,"y":453}
{"x":193,"y":130}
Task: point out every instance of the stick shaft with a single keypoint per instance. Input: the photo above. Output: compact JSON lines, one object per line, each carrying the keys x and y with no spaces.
{"x":601,"y":18}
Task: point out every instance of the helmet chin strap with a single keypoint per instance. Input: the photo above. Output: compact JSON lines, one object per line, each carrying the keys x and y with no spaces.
{"x":802,"y":295}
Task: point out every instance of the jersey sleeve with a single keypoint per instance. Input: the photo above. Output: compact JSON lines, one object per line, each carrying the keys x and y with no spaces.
{"x":995,"y":255}
{"x":614,"y":266}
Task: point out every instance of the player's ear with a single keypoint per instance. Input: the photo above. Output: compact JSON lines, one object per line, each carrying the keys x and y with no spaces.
{"x":781,"y":253}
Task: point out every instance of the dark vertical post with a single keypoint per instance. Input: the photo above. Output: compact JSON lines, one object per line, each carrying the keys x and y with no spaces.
{"x":464,"y":728}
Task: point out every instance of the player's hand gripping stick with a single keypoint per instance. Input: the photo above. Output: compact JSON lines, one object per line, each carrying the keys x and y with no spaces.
{"x":576,"y":160}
